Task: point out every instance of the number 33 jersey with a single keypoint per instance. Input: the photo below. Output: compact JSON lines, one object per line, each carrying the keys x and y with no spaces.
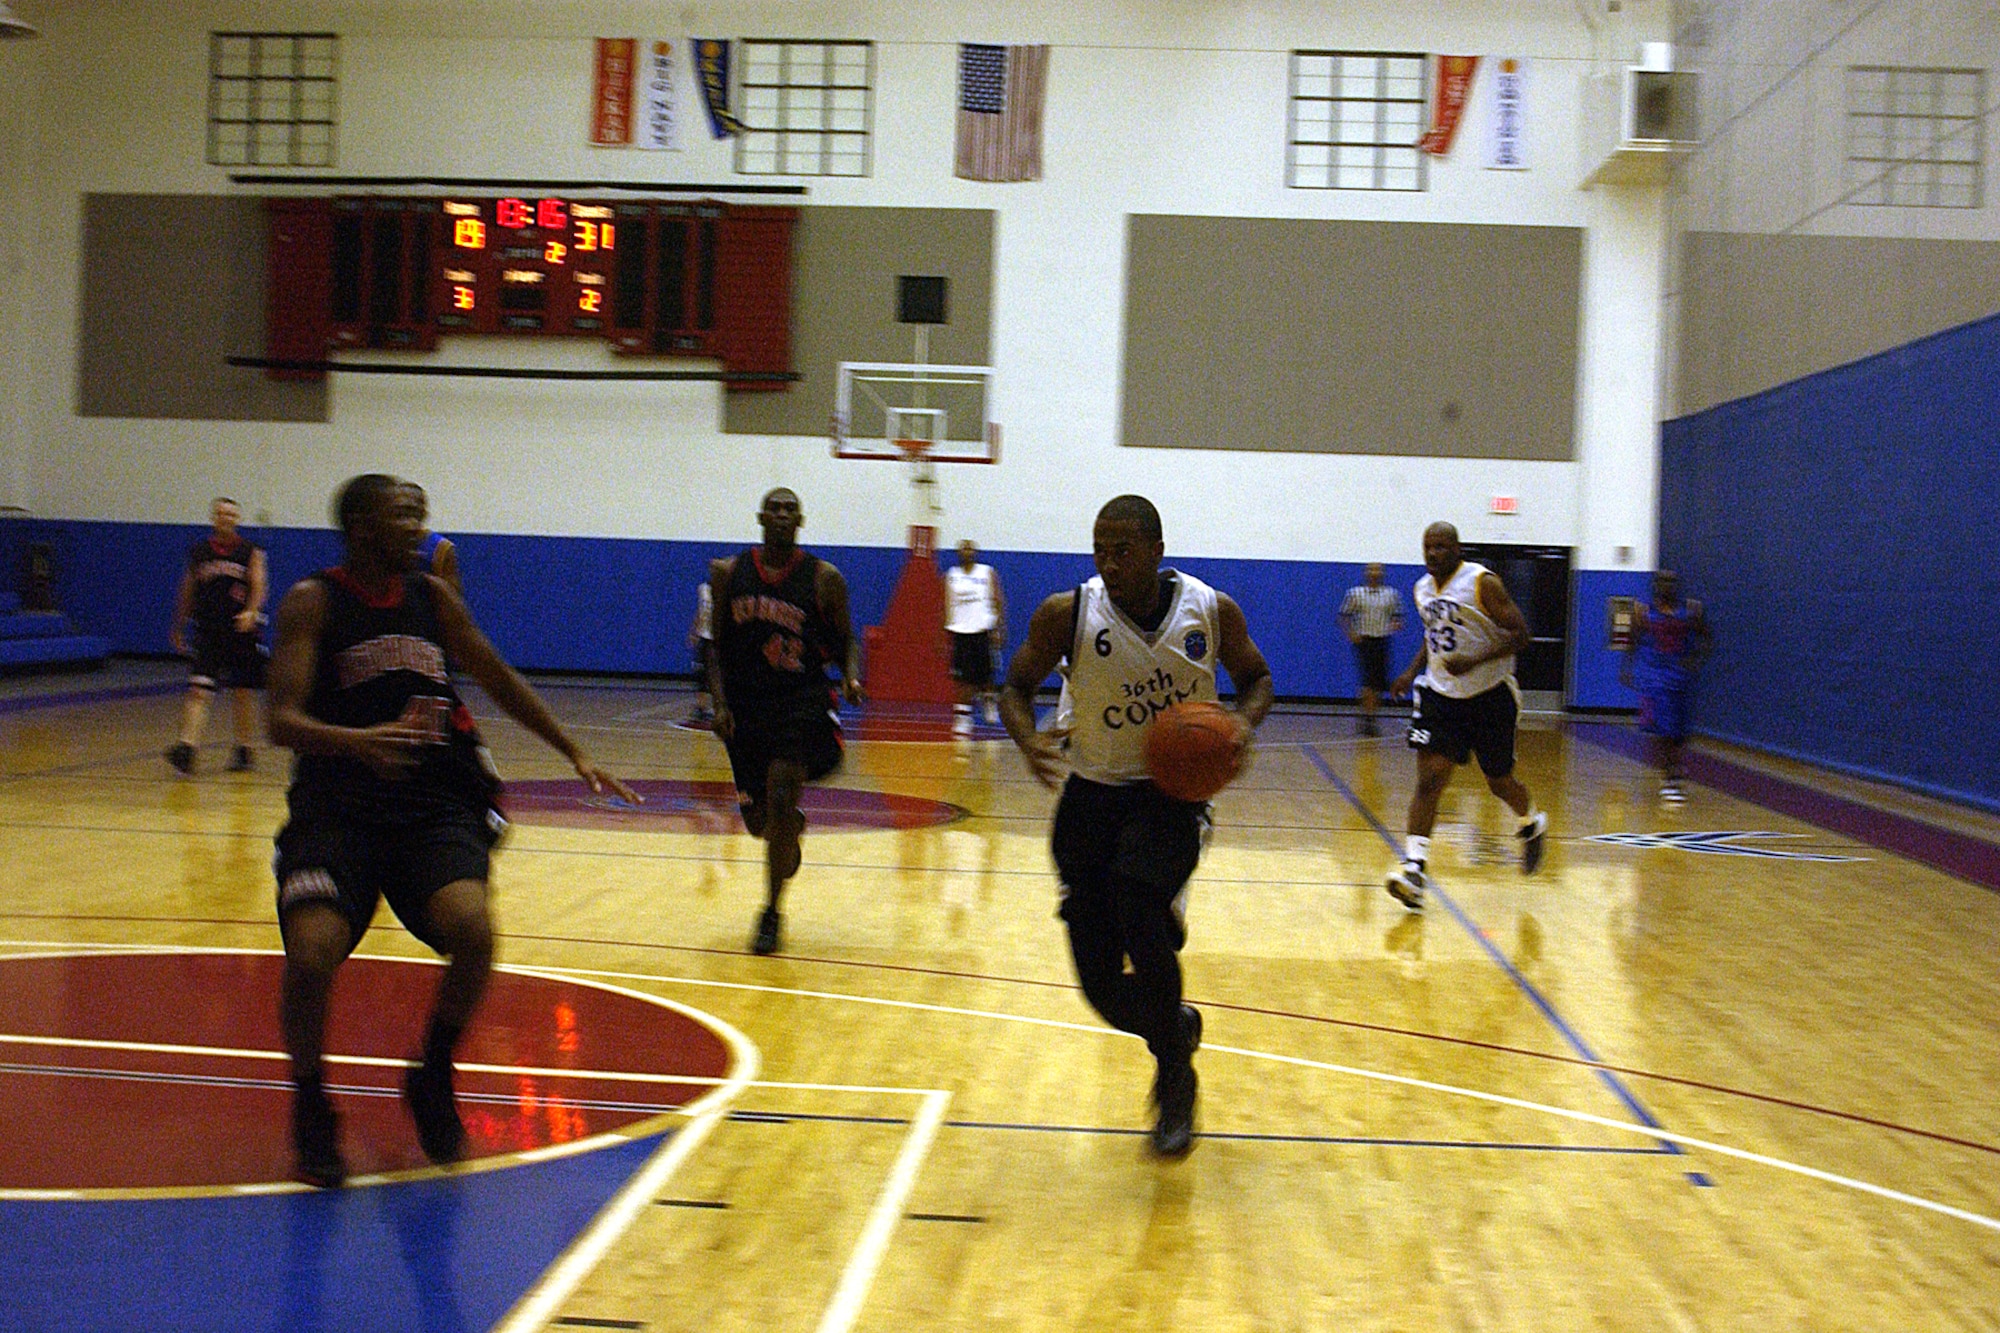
{"x":770,"y":635}
{"x":1454,"y":623}
{"x":1122,"y":677}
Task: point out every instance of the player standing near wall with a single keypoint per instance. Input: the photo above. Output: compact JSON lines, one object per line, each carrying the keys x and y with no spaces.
{"x":1466,"y":703}
{"x":780,"y":620}
{"x":1670,"y":639}
{"x":975,"y":622}
{"x":1138,"y":639}
{"x":222,"y":590}
{"x":436,"y":553}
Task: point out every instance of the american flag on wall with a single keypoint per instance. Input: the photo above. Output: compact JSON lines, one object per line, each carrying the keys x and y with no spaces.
{"x":1000,"y":111}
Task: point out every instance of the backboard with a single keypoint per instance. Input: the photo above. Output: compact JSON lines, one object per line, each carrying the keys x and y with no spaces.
{"x":877,"y":403}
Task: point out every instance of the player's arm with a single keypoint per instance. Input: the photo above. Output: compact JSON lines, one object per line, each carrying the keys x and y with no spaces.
{"x":1048,"y":643}
{"x":444,"y":564}
{"x":999,"y":613}
{"x":1500,"y":609}
{"x":1346,"y":617}
{"x":1629,"y":653}
{"x":473,"y":653}
{"x":719,"y":572}
{"x":1244,"y":661}
{"x":1704,"y":637}
{"x":183,"y":608}
{"x":1403,"y":684}
{"x":831,"y":587}
{"x":260,"y":585}
{"x":389,"y":749}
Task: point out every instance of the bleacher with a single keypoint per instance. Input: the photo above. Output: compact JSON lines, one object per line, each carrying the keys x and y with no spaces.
{"x":30,"y":639}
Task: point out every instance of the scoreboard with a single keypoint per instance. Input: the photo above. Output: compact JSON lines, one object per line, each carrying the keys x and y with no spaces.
{"x":651,"y":277}
{"x":526,"y":266}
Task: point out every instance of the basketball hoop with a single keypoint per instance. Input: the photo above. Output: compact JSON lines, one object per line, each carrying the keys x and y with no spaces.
{"x":923,"y":472}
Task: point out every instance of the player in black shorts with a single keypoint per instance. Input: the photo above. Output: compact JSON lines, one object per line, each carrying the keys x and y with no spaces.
{"x":392,"y":796}
{"x":780,"y":620}
{"x":222,"y":592}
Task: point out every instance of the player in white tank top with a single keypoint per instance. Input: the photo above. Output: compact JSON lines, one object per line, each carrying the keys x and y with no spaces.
{"x":975,"y":622}
{"x":1138,"y":639}
{"x":1124,"y":676}
{"x":1467,"y":702}
{"x":1457,"y":628}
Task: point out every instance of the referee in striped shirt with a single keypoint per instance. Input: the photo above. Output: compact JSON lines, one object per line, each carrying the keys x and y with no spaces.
{"x":1371,"y":614}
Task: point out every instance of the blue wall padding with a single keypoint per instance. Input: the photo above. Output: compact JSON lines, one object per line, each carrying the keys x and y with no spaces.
{"x":619,"y":604}
{"x":1840,"y":529}
{"x":1593,"y":667}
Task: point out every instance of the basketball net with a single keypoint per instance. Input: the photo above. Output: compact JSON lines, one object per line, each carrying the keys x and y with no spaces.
{"x":915,"y":434}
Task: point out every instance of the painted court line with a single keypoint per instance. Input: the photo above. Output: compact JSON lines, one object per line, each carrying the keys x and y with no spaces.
{"x":588,"y":1250}
{"x":1374,"y":1075}
{"x":1569,"y":1035}
{"x":866,"y":1261}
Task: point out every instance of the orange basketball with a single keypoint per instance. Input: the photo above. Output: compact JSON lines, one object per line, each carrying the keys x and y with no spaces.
{"x":1191,"y":750}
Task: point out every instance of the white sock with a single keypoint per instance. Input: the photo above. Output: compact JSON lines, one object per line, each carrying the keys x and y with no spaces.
{"x":1529,"y":818}
{"x":1419,"y":849}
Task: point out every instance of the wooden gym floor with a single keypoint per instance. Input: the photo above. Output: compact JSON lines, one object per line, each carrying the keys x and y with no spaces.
{"x":1725,"y":1066}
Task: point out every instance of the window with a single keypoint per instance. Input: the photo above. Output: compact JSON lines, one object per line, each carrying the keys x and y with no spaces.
{"x":271,"y":98}
{"x":1915,"y":137}
{"x":1356,"y":118}
{"x":807,"y":106}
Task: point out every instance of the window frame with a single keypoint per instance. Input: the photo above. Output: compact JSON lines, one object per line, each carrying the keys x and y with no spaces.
{"x":297,"y":57}
{"x":1380,"y":146}
{"x":784,"y":149}
{"x":1877,"y":179}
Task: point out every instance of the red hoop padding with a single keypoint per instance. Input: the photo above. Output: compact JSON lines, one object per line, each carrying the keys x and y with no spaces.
{"x":913,"y":449}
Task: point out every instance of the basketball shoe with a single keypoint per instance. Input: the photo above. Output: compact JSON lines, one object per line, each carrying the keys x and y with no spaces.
{"x":316,"y":1138}
{"x":427,"y":1088}
{"x":181,"y":755}
{"x":1407,"y":884}
{"x":768,"y":925}
{"x":1532,"y":839}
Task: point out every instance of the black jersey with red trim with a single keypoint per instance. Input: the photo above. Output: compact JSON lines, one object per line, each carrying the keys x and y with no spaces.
{"x":221,"y":580}
{"x":381,"y":659}
{"x":772,"y":639}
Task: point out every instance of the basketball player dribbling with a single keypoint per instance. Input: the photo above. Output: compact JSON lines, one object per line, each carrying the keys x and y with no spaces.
{"x":392,"y":796}
{"x":1467,"y":703}
{"x":1138,"y":639}
{"x":780,"y":619}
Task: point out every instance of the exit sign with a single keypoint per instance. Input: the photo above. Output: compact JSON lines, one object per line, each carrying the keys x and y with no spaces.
{"x":1505,"y":504}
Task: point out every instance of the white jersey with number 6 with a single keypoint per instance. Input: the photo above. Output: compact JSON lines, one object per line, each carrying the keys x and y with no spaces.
{"x":1122,"y":677}
{"x":1454,"y":622}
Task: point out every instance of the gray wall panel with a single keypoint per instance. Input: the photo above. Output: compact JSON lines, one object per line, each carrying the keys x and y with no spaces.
{"x":171,"y":284}
{"x":845,"y":265}
{"x":1432,"y":339}
{"x":1758,"y":310}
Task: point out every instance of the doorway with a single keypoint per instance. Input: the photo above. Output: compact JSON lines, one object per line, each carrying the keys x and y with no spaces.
{"x":1537,"y":578}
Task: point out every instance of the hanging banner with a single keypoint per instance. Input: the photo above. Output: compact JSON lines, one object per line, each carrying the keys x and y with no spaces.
{"x":711,"y":57}
{"x":1506,"y":147}
{"x":1454,"y":89}
{"x":611,"y":94}
{"x":658,"y":125}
